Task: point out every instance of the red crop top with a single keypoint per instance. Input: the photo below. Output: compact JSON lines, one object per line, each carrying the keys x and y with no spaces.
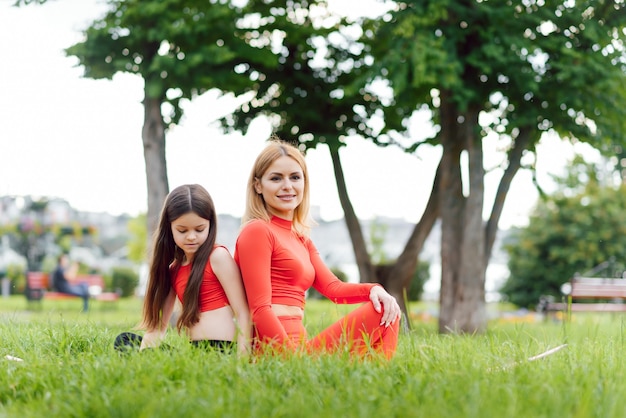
{"x":278,"y":266}
{"x":212,"y":295}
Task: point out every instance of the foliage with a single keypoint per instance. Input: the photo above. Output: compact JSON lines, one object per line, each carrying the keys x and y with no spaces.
{"x":307,"y":92}
{"x":25,"y":2}
{"x":137,"y":250}
{"x":570,"y":232}
{"x":124,"y":280}
{"x":181,"y":48}
{"x":70,"y":369}
{"x":16,"y":274}
{"x":378,"y":230}
{"x":421,"y":276}
{"x":543,"y":71}
{"x":341,"y":275}
{"x":39,"y":239}
{"x":554,"y":67}
{"x":49,"y":263}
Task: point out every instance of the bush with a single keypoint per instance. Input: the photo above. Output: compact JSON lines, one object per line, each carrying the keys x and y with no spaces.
{"x":17,"y":275}
{"x":124,"y":280}
{"x":420,"y":276}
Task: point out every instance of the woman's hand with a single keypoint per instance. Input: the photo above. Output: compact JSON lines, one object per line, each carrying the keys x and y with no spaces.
{"x":386,"y":304}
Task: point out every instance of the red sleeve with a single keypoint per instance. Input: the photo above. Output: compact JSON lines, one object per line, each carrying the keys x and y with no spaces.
{"x":253,"y":253}
{"x":330,"y":286}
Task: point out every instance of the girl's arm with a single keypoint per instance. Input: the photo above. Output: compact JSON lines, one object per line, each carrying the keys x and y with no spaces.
{"x":229,"y":276}
{"x":153,"y":337}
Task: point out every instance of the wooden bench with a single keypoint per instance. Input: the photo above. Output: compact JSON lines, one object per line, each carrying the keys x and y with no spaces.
{"x":590,"y":294}
{"x":38,"y":286}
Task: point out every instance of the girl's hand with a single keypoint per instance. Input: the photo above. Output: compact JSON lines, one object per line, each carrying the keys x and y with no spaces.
{"x":386,"y":304}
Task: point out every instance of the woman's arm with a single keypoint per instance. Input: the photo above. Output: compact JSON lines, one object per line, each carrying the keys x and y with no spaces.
{"x":339,"y":292}
{"x":229,"y":276}
{"x":153,"y":337}
{"x":330,"y":286}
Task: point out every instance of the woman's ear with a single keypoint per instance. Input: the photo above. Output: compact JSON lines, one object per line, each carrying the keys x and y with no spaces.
{"x":257,"y":185}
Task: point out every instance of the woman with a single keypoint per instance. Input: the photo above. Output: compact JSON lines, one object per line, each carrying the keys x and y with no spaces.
{"x":278,"y":263}
{"x":189,"y":266}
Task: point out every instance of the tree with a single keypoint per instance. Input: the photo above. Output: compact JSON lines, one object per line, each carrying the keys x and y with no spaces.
{"x":131,"y":37}
{"x":37,"y":235}
{"x":580,"y":227}
{"x":181,"y":49}
{"x":553,"y":67}
{"x":308,"y":95}
{"x":315,"y":96}
{"x":452,"y":59}
{"x":32,"y":232}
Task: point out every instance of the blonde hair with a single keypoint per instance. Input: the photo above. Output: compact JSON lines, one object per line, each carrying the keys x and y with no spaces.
{"x":255,"y":205}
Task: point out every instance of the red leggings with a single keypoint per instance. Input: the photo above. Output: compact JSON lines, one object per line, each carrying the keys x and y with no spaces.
{"x":359,"y":331}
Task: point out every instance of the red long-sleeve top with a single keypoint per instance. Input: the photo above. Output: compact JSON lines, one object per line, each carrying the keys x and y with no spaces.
{"x":278,"y":266}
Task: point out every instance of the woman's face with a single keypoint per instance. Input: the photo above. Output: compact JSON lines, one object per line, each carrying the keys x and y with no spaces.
{"x":282,"y":187}
{"x":190,"y":231}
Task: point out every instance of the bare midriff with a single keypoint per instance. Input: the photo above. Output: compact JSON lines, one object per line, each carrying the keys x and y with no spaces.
{"x":217,"y":324}
{"x":287,"y":310}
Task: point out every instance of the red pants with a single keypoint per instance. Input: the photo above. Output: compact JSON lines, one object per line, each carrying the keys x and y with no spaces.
{"x":359,"y":332}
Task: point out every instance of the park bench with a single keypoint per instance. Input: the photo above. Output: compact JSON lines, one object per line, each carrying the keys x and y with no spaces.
{"x":38,"y":288}
{"x":589,"y":294}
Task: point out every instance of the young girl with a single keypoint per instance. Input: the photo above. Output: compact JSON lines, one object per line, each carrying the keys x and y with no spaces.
{"x":279,"y":263}
{"x":187,"y":264}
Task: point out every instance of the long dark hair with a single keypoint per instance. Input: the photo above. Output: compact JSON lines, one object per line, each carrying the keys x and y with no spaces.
{"x":165,"y":254}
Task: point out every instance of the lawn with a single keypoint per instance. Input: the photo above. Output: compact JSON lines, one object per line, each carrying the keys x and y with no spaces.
{"x":70,"y":369}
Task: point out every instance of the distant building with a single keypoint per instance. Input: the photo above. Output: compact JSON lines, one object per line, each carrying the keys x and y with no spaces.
{"x":9,"y":257}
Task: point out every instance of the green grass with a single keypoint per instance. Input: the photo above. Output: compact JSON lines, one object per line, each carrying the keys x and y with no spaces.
{"x":71,"y":370}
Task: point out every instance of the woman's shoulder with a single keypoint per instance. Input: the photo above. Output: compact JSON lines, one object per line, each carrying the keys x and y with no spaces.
{"x":255,"y":226}
{"x":252,"y":223}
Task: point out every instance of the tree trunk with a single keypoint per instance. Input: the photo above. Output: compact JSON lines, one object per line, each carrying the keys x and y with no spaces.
{"x":452,"y":203}
{"x":153,"y":136}
{"x":469,"y":308}
{"x":463,"y":264}
{"x":514,"y":158}
{"x":467,"y":241}
{"x":362,"y":257}
{"x":397,"y":277}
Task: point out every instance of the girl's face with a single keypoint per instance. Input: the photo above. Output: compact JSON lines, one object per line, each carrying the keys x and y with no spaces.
{"x":282,"y":187}
{"x":190,"y":231}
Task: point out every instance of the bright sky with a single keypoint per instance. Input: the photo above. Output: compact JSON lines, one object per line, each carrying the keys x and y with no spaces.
{"x":79,"y":139}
